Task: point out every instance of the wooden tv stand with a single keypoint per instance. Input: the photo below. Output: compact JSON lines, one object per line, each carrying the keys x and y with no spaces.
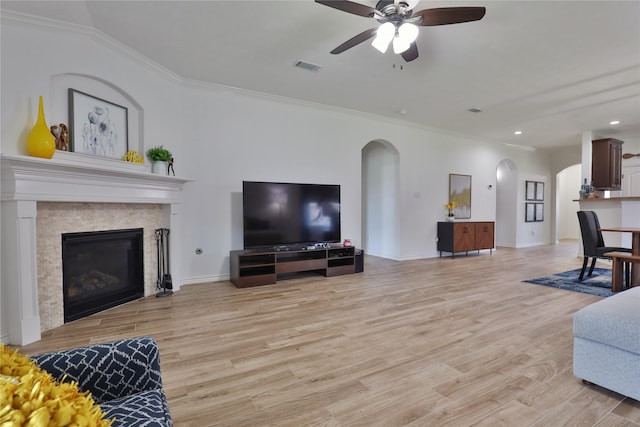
{"x":256,"y":267}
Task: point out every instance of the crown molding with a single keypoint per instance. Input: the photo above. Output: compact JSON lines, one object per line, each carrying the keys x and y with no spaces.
{"x":10,"y":17}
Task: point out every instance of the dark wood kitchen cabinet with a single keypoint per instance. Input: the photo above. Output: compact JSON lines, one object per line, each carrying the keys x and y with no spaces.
{"x":606,"y":164}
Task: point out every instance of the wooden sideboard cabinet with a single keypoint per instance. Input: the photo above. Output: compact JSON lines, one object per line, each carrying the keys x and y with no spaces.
{"x":465,"y":236}
{"x":606,"y":164}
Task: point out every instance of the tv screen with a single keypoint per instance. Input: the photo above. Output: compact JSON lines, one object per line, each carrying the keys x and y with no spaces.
{"x":280,"y":214}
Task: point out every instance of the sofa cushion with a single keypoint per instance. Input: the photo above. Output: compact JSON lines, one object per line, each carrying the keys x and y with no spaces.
{"x":614,"y":321}
{"x":147,"y":408}
{"x":108,"y":370}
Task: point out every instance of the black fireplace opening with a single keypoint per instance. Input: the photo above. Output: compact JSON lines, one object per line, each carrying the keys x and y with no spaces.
{"x":100,"y":270}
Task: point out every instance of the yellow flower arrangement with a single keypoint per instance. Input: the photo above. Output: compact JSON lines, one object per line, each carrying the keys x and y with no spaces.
{"x":133,"y":157}
{"x":29,"y":396}
{"x":450,"y":207}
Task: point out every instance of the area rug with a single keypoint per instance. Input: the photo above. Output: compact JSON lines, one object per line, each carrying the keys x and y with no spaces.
{"x":598,"y":284}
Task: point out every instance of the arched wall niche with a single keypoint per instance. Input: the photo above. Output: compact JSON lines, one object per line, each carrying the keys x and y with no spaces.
{"x":380,"y":183}
{"x":99,"y":88}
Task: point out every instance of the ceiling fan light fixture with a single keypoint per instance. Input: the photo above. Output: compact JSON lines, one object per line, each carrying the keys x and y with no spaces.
{"x":384,"y":35}
{"x":408,"y":32}
{"x":400,"y":45}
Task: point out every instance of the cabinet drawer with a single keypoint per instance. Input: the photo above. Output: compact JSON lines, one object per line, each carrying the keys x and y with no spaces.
{"x":257,"y":280}
{"x":303,"y":265}
{"x":339,"y":271}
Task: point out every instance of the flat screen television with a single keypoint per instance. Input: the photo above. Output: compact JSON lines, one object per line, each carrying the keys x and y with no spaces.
{"x":287,"y":214}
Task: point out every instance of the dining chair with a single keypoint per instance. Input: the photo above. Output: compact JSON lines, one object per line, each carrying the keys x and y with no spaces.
{"x":593,"y":242}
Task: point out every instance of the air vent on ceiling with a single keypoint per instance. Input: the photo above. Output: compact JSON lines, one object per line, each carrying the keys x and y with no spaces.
{"x":475,"y":110}
{"x":307,"y":66}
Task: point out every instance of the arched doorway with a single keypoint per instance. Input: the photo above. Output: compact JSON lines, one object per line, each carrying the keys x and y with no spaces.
{"x":506,"y":204}
{"x":567,"y":186}
{"x":380,"y":183}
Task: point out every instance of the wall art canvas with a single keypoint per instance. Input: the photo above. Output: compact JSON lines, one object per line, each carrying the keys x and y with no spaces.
{"x":98,"y":127}
{"x":460,"y":193}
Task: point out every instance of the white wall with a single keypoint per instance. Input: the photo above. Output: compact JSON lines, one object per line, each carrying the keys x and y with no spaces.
{"x":221,"y":137}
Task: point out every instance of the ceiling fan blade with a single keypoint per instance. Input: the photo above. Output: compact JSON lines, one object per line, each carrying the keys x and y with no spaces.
{"x":349,"y":6}
{"x":353,"y":41}
{"x":449,"y":15}
{"x":411,"y":53}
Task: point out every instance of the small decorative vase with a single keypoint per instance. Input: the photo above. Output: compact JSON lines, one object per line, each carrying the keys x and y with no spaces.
{"x":451,"y":218}
{"x":40,"y":141}
{"x":160,"y":168}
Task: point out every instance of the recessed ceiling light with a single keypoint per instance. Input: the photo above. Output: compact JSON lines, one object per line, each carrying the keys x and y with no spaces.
{"x":518,"y":132}
{"x":475,"y":110}
{"x":614,"y":122}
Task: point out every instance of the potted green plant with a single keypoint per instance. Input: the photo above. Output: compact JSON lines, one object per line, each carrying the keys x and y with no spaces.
{"x":160,"y":157}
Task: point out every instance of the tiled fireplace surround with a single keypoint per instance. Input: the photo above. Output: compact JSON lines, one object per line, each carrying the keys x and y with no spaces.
{"x":42,"y":199}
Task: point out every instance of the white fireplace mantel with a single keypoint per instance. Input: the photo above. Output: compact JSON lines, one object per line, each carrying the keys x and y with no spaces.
{"x":67,"y":177}
{"x":72,"y":177}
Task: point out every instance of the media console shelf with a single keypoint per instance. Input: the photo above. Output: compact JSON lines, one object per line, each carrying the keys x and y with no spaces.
{"x":262,"y":267}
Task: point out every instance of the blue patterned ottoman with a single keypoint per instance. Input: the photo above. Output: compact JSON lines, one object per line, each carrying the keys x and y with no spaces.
{"x":123,"y":377}
{"x":606,"y":345}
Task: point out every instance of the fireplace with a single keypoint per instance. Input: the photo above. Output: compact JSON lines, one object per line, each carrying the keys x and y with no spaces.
{"x":101,"y":269}
{"x":71,"y":193}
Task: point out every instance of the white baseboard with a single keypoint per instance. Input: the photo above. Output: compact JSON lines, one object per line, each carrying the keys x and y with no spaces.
{"x":205,"y":279}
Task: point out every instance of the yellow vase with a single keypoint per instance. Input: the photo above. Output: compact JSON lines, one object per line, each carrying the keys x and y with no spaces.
{"x":40,"y":142}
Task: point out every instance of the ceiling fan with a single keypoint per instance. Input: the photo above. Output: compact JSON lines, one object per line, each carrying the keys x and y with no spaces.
{"x":399,"y":23}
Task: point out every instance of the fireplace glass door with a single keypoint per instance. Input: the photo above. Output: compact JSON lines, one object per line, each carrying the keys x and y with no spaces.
{"x":100,"y":270}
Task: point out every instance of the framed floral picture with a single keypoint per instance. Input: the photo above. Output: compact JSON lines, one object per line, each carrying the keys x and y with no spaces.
{"x":96,"y":126}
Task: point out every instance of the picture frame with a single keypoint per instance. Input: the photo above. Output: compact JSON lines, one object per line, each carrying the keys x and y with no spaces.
{"x":460,"y":193}
{"x":96,"y":126}
{"x":534,"y":212}
{"x":530,"y":190}
{"x":539,"y":190}
{"x":534,"y":190}
{"x":539,"y":214}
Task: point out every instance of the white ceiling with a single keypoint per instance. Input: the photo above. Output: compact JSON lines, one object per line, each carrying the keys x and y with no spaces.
{"x":552,"y":69}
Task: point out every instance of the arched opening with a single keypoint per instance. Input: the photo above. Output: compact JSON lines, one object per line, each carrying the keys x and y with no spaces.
{"x":567,"y":186}
{"x":506,"y":204}
{"x":380,"y":169}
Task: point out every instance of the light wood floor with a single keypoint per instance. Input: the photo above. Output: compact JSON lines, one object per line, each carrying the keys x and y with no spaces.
{"x":436,"y":342}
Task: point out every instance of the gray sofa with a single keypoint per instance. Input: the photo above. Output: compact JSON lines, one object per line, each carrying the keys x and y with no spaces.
{"x":606,"y":345}
{"x":123,"y":377}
